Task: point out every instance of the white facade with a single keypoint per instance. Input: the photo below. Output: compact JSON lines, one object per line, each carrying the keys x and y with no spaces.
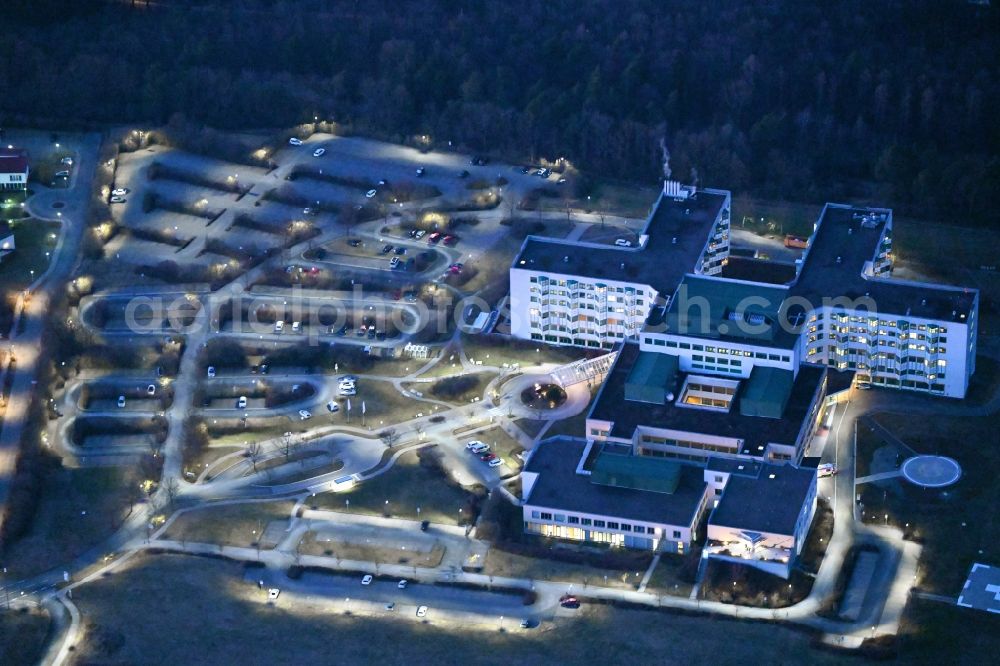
{"x":571,"y":310}
{"x":894,"y":351}
{"x":568,"y":309}
{"x":773,"y":552}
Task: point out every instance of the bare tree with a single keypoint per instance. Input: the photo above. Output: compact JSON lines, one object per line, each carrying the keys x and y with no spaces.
{"x":389,"y":436}
{"x":254,"y":453}
{"x":171,"y":488}
{"x":287,"y":445}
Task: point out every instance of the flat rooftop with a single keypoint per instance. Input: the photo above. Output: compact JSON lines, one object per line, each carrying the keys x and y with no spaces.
{"x":768,"y":502}
{"x":756,"y":431}
{"x":710,"y":307}
{"x":758,"y":270}
{"x":677,"y":232}
{"x":837,"y":256}
{"x":559,"y":487}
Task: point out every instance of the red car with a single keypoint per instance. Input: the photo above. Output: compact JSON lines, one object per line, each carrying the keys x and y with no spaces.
{"x":569,"y":601}
{"x":486,"y":457}
{"x":434,"y":237}
{"x":450,"y":240}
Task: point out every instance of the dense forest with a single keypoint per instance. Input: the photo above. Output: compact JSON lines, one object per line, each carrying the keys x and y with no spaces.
{"x":890,"y":101}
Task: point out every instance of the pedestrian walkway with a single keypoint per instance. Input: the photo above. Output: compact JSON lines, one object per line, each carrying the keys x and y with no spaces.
{"x":881,"y":476}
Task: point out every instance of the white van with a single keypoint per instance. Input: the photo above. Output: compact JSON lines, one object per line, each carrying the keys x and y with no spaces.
{"x":333,"y":407}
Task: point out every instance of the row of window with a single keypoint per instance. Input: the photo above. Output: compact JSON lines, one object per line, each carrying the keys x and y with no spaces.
{"x":657,"y":342}
{"x":596,"y":523}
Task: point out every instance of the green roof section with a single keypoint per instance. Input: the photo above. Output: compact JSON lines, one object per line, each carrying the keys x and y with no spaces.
{"x":650,"y":376}
{"x":766,"y":392}
{"x":655,"y":475}
{"x":729,"y":309}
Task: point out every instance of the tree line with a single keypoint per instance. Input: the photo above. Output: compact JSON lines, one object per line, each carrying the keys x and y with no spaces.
{"x":884,"y":100}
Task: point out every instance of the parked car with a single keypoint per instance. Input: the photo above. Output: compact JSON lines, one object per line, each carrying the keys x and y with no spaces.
{"x":279,"y":326}
{"x":332,"y":407}
{"x":319,"y":152}
{"x":434,"y":237}
{"x":151,"y":389}
{"x":425,"y":525}
{"x":450,"y":240}
{"x":295,"y":141}
{"x":211,"y":371}
{"x":486,"y":457}
{"x":420,"y":234}
{"x":296,"y":326}
{"x":383,"y":182}
{"x":386,"y":249}
{"x":304,"y":415}
{"x":120,"y":191}
{"x":400,"y":250}
{"x":355,"y":242}
{"x":272,"y":593}
{"x":496,"y":462}
{"x":242,"y":402}
{"x":826,"y":469}
{"x":863,"y":386}
{"x":422,"y":611}
{"x":402,"y":584}
{"x":68,"y":161}
{"x":391,"y":606}
{"x":117,"y":200}
{"x":474,"y":444}
{"x":370,"y":194}
{"x":394,"y":262}
{"x":569,"y":601}
{"x":366,"y":579}
{"x":621,"y":242}
{"x":121,"y":401}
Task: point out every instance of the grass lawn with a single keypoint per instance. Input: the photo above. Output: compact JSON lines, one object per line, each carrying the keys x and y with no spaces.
{"x":32,"y":239}
{"x":22,"y":635}
{"x":937,"y":517}
{"x":311,"y":545}
{"x":779,"y":217}
{"x":574,"y":426}
{"x":384,"y":405}
{"x":60,"y":531}
{"x":936,"y":633}
{"x":457,"y":391}
{"x":208,"y":615}
{"x":231,"y":524}
{"x":667,"y":577}
{"x":495,"y":350}
{"x":407,"y":485}
{"x":531,"y":427}
{"x":502,"y":563}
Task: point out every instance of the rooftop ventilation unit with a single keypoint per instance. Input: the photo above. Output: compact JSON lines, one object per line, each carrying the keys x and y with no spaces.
{"x":674,"y":189}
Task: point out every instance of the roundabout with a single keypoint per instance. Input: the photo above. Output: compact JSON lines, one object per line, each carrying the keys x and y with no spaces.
{"x":543,"y":396}
{"x":931,"y":471}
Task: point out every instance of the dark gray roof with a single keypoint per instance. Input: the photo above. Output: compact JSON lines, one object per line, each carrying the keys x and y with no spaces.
{"x":733,"y":466}
{"x":763,"y":504}
{"x":758,"y":270}
{"x":837,"y":255}
{"x":560,"y":488}
{"x":678,"y":231}
{"x":626,"y":415}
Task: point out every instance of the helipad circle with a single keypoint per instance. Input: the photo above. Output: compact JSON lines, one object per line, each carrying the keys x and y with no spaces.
{"x":931,"y":471}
